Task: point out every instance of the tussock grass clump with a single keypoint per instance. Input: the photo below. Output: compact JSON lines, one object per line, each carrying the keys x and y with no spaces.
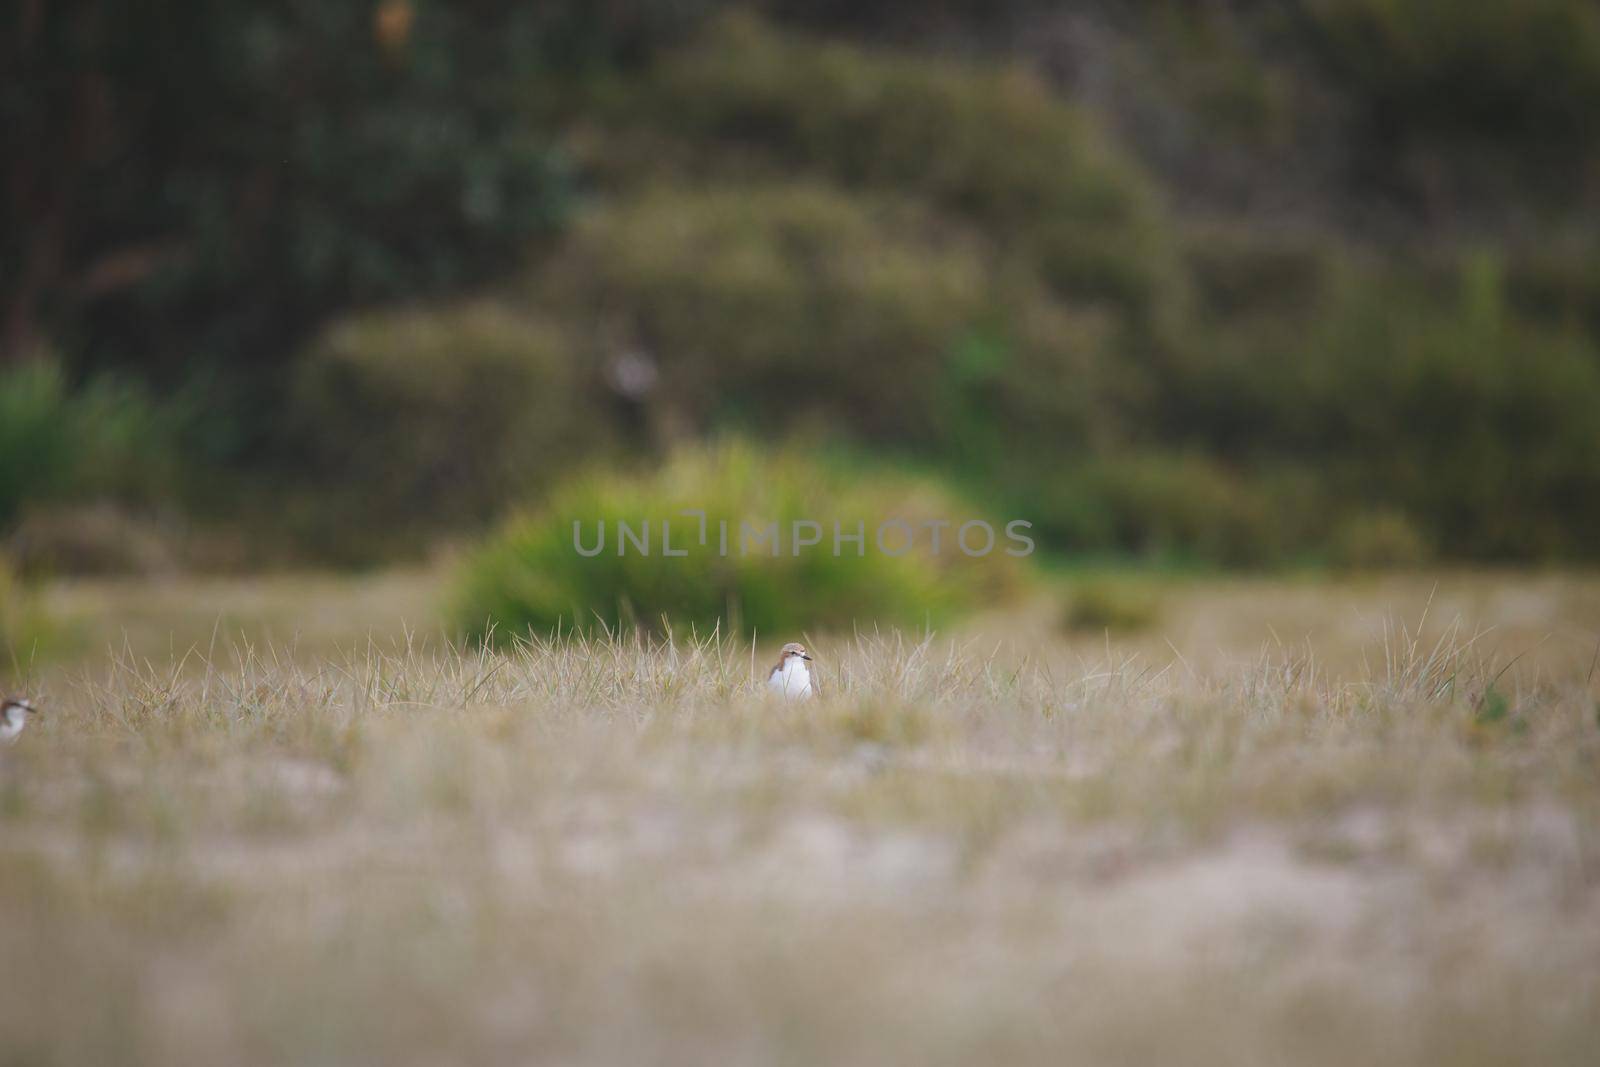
{"x":531,"y":577}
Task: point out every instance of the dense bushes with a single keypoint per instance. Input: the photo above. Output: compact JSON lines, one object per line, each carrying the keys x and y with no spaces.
{"x":201,"y":181}
{"x":994,"y":146}
{"x":946,"y":261}
{"x":418,"y":422}
{"x":781,"y":264}
{"x":1451,"y":409}
{"x":805,"y":306}
{"x":530,"y":577}
{"x":103,"y":439}
{"x":1516,"y":83}
{"x":89,"y":475}
{"x":933,"y":256}
{"x":1162,"y":505}
{"x":24,"y":626}
{"x":805,"y":310}
{"x":799,"y":303}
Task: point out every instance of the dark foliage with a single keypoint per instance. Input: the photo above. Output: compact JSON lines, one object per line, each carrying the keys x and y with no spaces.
{"x":198,"y":182}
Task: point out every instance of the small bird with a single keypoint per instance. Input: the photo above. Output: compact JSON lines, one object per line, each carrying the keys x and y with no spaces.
{"x":13,"y":717}
{"x":792,"y":675}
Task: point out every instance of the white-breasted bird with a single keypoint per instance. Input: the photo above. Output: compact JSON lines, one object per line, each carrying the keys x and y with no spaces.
{"x":13,"y":717}
{"x":792,"y":676}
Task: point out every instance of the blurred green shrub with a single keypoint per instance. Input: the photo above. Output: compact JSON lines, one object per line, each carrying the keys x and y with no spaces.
{"x":530,"y":578}
{"x":1518,"y":80}
{"x":1159,"y":505}
{"x":1311,"y":386}
{"x":24,"y":626}
{"x":1101,"y":604}
{"x":1395,"y":390}
{"x":1556,"y":285}
{"x":95,"y":538}
{"x":421,"y":421}
{"x":773,"y":304}
{"x":807,"y":305}
{"x":1208,"y":64}
{"x":992,"y":145}
{"x":1239,"y":272}
{"x":1475,"y":423}
{"x":100,"y":439}
{"x":245,"y":169}
{"x":1378,"y":540}
{"x":941,"y":260}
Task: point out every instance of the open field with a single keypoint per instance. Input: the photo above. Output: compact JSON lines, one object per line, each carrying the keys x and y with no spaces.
{"x":1272,"y":821}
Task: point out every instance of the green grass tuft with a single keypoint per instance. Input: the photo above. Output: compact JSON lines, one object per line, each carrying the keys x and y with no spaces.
{"x":530,"y":578}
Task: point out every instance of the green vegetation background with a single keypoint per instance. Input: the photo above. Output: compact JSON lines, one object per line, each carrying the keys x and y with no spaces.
{"x":1239,"y":284}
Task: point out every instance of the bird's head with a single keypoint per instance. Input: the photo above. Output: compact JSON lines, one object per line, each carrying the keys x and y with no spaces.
{"x":17,"y":708}
{"x":793,"y":648}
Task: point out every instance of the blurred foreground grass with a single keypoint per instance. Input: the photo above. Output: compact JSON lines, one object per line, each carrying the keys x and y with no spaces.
{"x":1287,"y":822}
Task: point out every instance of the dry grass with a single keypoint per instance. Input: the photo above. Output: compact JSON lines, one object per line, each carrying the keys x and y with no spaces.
{"x":1054,"y":850}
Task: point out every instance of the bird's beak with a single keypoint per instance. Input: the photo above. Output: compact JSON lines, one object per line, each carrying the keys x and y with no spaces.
{"x":805,"y":655}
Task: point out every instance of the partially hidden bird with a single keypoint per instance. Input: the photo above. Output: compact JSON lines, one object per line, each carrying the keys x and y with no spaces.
{"x":13,"y":717}
{"x":791,"y":676}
